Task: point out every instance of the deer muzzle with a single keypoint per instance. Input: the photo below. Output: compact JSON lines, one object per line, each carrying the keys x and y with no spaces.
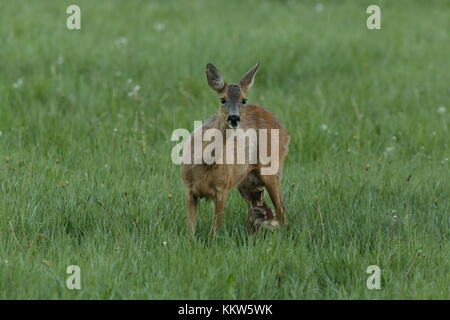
{"x":233,"y":121}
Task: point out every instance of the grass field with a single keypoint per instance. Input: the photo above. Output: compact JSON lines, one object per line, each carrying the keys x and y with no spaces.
{"x":86,"y":178}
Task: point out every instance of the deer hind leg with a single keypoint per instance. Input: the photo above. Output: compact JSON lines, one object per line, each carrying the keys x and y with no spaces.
{"x":191,"y":206}
{"x":219,"y":205}
{"x":272,"y":184}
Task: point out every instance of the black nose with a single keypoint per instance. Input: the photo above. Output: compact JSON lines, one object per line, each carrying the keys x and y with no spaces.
{"x":234,"y":119}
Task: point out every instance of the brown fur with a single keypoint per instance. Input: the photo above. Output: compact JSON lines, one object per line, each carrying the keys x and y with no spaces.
{"x":215,"y":181}
{"x":258,"y":211}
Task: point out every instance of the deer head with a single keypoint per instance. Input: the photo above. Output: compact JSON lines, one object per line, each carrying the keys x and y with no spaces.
{"x":233,"y":97}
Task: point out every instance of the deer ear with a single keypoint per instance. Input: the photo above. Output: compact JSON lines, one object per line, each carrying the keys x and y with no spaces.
{"x":247,"y":80}
{"x":261,"y":195}
{"x":215,"y":80}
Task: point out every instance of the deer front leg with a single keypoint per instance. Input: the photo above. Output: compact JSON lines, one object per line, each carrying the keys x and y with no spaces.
{"x":272,"y":184}
{"x":191,"y":207}
{"x":219,"y":205}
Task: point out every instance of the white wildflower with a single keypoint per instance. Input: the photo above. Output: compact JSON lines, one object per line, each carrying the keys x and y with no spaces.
{"x":121,"y":42}
{"x":134,"y":92}
{"x":60,"y":60}
{"x":18,"y":84}
{"x":388,"y":151}
{"x":441,"y":110}
{"x":159,"y":26}
{"x":319,"y":7}
{"x":324,"y":127}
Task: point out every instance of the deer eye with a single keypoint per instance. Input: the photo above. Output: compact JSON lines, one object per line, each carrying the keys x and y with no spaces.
{"x":223,"y":101}
{"x":244,"y":101}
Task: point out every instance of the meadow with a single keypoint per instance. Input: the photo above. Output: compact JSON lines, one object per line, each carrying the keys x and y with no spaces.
{"x":86,"y":176}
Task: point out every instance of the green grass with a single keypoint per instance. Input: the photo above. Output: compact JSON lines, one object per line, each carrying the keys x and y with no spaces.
{"x":366,"y":180}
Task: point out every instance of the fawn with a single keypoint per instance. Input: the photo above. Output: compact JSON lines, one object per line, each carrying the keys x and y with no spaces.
{"x":259,"y":214}
{"x":214,"y":181}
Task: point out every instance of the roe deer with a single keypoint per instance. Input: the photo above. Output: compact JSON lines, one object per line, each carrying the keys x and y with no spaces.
{"x":214,"y":180}
{"x":259,"y":214}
